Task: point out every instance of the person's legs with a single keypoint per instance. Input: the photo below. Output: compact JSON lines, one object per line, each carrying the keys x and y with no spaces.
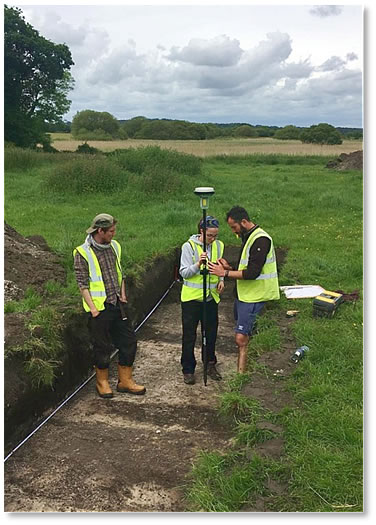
{"x":245,"y":316}
{"x":102,"y":348}
{"x":242,"y":344}
{"x":190,"y":317}
{"x":124,"y":338}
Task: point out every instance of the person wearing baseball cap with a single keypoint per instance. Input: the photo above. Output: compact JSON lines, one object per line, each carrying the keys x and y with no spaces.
{"x":103,"y":220}
{"x":97,"y":266}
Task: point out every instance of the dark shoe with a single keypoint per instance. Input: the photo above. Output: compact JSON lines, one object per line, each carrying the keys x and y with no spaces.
{"x":189,"y":379}
{"x":213,"y":372}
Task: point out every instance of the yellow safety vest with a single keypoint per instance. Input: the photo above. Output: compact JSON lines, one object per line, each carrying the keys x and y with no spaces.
{"x":192,"y":289}
{"x":96,"y":285}
{"x":265,"y":287}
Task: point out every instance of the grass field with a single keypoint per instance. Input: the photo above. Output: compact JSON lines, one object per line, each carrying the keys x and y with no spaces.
{"x":208,"y":148}
{"x":312,"y":212}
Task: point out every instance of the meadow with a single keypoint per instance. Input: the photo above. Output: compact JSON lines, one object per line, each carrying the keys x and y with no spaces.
{"x":208,"y":148}
{"x":313,"y":213}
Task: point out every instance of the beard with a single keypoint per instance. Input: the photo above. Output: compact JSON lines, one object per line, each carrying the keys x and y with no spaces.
{"x":243,"y":231}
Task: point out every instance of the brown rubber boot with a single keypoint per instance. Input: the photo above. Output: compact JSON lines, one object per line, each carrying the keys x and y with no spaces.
{"x":126,"y":383}
{"x":103,"y":386}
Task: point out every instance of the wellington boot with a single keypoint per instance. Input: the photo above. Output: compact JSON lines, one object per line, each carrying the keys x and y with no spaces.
{"x":126,"y":383}
{"x":103,"y":386}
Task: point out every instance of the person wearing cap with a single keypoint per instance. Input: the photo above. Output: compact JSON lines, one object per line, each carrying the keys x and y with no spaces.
{"x":191,"y":262}
{"x":100,"y":279}
{"x":256,"y":277}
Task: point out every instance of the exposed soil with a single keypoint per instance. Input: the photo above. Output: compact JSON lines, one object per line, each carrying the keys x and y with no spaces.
{"x":347,"y":161}
{"x":135,"y":453}
{"x":28,"y":262}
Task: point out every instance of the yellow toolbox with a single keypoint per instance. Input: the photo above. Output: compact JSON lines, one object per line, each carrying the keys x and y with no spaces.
{"x":326,"y":304}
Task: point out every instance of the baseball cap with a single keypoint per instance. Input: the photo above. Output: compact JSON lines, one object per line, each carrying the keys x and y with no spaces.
{"x":103,"y":220}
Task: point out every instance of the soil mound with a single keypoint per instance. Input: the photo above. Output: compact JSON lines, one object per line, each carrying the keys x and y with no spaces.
{"x":28,"y":262}
{"x":347,"y":161}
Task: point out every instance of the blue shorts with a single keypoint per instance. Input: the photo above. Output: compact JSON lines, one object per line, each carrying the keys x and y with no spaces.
{"x":245,"y":316}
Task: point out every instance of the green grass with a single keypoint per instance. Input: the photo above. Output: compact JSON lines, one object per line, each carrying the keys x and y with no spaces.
{"x":42,"y":350}
{"x":31,"y":300}
{"x":314,"y":213}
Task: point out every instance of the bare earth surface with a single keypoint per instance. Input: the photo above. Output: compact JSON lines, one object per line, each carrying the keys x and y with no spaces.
{"x":135,"y":453}
{"x":129,"y":453}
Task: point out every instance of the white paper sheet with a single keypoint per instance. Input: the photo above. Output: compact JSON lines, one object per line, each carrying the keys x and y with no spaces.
{"x":304,"y":291}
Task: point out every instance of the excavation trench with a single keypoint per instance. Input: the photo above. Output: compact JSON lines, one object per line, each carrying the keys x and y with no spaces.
{"x":134,"y":453}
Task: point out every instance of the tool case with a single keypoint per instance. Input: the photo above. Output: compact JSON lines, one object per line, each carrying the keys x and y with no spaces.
{"x":326,"y":304}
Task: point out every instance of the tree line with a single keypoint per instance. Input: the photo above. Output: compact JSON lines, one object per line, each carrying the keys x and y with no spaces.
{"x":37,"y":81}
{"x":91,"y":125}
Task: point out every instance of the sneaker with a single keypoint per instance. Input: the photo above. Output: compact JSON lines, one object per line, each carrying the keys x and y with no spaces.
{"x":189,"y":379}
{"x":213,"y":372}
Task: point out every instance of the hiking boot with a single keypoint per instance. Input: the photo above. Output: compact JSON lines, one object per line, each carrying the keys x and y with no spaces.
{"x":189,"y":379}
{"x":213,"y":372}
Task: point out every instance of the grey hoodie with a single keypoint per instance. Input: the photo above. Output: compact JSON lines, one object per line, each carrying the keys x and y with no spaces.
{"x":187,"y":267}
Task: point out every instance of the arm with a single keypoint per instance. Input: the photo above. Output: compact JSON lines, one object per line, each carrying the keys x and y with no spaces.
{"x":123,"y":295}
{"x":89,"y":301}
{"x":81,"y":271}
{"x":187,"y":268}
{"x":257,"y":258}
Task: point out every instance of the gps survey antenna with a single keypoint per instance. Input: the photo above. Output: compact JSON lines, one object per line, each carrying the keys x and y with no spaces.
{"x":204,"y":193}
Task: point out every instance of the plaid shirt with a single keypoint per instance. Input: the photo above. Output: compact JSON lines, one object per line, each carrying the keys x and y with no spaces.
{"x":107,"y":263}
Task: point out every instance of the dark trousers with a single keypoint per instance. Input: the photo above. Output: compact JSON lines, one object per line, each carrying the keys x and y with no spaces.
{"x":107,"y":332}
{"x":191,"y":315}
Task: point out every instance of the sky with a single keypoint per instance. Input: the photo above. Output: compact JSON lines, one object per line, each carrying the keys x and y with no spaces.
{"x":261,"y":64}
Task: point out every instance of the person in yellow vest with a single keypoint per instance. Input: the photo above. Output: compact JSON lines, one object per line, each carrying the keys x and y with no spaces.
{"x":191,"y":262}
{"x":100,"y":279}
{"x":256,"y":277}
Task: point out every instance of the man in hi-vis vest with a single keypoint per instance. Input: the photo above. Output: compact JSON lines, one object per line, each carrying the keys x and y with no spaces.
{"x":100,"y":279}
{"x":191,"y":262}
{"x":256,"y":277}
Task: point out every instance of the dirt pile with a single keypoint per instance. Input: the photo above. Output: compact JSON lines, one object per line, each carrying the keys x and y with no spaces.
{"x":28,"y":261}
{"x":347,"y":161}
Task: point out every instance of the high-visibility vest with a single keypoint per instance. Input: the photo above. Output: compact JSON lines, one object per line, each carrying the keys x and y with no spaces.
{"x":265,"y":286}
{"x":192,"y":289}
{"x":96,"y":285}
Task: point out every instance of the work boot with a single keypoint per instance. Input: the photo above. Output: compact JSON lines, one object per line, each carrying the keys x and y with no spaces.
{"x":213,"y":372}
{"x":189,"y":379}
{"x":103,"y":386}
{"x":126,"y":383}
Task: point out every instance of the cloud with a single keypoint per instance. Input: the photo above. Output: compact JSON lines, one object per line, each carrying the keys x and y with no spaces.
{"x":128,"y":65}
{"x":302,"y":69}
{"x":324,"y":11}
{"x":332,"y":64}
{"x":220,"y":51}
{"x":351,"y":56}
{"x":261,"y":86}
{"x":84,"y":41}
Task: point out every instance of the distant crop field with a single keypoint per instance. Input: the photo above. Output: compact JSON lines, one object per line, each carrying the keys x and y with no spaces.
{"x":209,"y":148}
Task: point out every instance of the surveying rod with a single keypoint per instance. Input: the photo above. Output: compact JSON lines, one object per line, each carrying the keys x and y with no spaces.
{"x":204,"y":193}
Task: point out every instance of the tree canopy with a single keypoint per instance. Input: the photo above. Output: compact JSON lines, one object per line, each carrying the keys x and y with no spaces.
{"x":36,"y":80}
{"x":289,"y":132}
{"x":321,"y":134}
{"x":245,"y":131}
{"x":96,"y":125}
